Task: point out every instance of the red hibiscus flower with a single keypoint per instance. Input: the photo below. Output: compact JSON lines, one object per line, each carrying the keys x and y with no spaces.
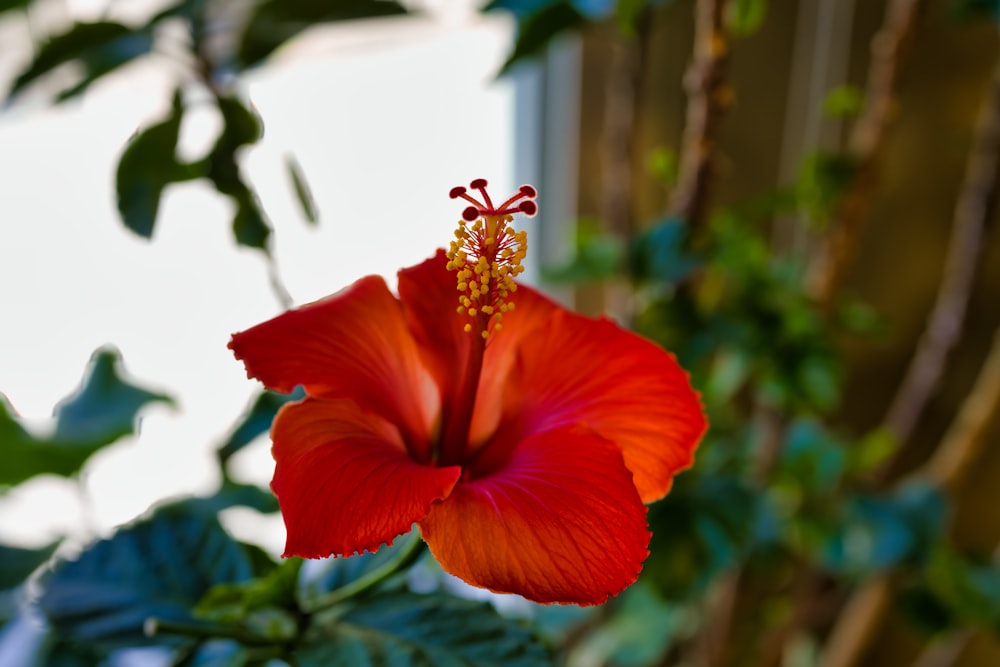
{"x":523,"y":439}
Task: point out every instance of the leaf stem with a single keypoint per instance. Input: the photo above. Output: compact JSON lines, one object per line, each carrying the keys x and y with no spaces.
{"x":408,"y":554}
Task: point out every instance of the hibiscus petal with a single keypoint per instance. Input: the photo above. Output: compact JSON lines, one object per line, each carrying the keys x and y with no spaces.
{"x":529,"y":318}
{"x":344,"y":480}
{"x":429,"y":296}
{"x":561,"y":522}
{"x":623,"y":386}
{"x":354,"y":344}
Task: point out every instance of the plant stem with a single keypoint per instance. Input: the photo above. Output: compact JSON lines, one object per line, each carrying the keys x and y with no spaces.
{"x":408,"y":554}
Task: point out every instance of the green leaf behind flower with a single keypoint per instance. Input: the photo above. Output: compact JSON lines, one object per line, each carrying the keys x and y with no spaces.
{"x":158,"y":567}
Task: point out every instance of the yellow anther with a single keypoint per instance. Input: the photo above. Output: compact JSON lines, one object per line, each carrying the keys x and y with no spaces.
{"x":486,"y":255}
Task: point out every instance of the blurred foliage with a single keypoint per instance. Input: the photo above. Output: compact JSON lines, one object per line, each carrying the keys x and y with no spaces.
{"x":783,"y":497}
{"x":100,"y":412}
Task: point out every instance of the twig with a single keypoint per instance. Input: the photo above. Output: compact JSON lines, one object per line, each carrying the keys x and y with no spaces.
{"x":947,"y":651}
{"x":959,"y":452}
{"x":974,"y":212}
{"x":708,"y":97}
{"x":963,"y":443}
{"x":867,"y":137}
{"x":858,"y":623}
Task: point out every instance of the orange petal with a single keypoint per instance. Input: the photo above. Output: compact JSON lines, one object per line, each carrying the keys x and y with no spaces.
{"x":355,"y":345}
{"x":561,"y":522}
{"x":344,"y":480}
{"x":623,"y":386}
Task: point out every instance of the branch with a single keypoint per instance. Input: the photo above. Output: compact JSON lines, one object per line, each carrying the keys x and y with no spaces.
{"x":708,"y":97}
{"x":867,"y":137}
{"x":959,"y":453}
{"x":974,"y":212}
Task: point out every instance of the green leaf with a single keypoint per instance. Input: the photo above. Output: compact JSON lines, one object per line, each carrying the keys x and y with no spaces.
{"x":701,"y":528}
{"x":264,"y":608}
{"x":274,"y":22}
{"x":538,"y":29}
{"x":638,"y":633}
{"x":598,"y":256}
{"x":232,"y":494}
{"x":16,"y":563}
{"x":844,"y":101}
{"x":255,"y":421}
{"x":99,"y":47}
{"x":302,"y":191}
{"x":968,"y":588}
{"x":659,"y":254}
{"x":146,"y":167}
{"x":8,"y":5}
{"x":105,"y":406}
{"x":411,"y":630}
{"x":744,"y":17}
{"x":250,"y":225}
{"x":158,"y":567}
{"x":102,"y":410}
{"x":341,"y":578}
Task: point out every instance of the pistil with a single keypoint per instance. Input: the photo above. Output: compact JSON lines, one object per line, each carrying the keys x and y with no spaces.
{"x":486,"y":256}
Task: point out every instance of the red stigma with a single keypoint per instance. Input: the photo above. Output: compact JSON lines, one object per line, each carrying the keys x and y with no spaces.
{"x":486,"y":208}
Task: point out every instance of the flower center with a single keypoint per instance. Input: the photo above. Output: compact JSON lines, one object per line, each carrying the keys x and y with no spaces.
{"x":487,"y":254}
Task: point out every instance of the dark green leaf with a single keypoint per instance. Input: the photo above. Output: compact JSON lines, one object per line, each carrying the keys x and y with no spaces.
{"x":100,"y":47}
{"x":232,"y":494}
{"x":146,"y":167}
{"x":811,"y":458}
{"x":537,"y":30}
{"x":968,"y":588}
{"x":878,"y":533}
{"x":105,"y":406}
{"x":215,"y":653}
{"x":255,"y":421}
{"x":701,"y":528}
{"x":250,"y":226}
{"x":302,"y":191}
{"x":274,"y":22}
{"x":102,"y":410}
{"x":659,"y":255}
{"x":411,"y":630}
{"x":8,"y":5}
{"x":158,"y":568}
{"x":241,"y":124}
{"x":17,"y":563}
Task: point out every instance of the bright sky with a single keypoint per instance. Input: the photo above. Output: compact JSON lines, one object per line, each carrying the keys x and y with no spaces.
{"x":384,"y":121}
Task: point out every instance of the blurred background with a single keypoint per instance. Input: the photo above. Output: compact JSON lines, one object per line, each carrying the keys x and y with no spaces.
{"x":798,"y":198}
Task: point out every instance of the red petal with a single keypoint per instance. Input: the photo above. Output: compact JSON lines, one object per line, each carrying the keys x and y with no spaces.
{"x":561,"y":522}
{"x":354,"y":345}
{"x":621,"y":385}
{"x":429,"y":294}
{"x":344,"y":480}
{"x":528,"y":319}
